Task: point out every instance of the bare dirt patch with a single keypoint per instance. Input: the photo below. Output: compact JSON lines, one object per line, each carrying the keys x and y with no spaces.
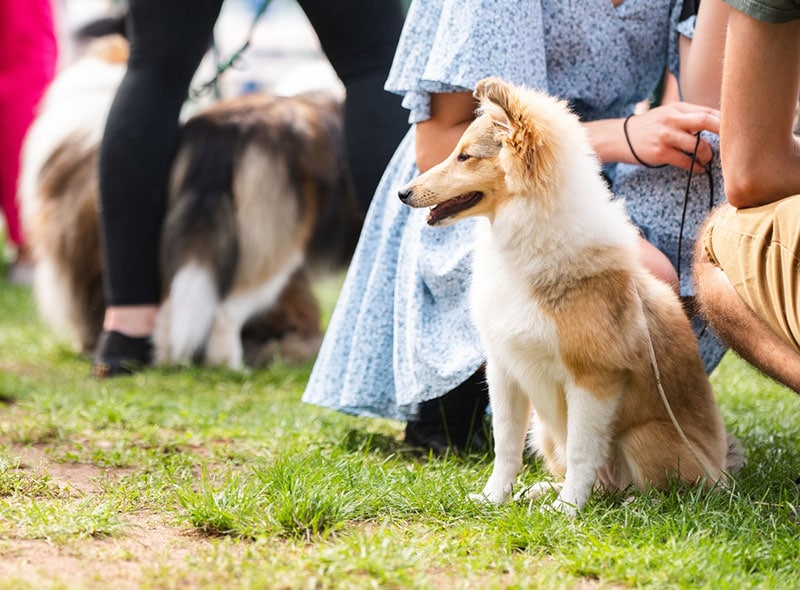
{"x":146,"y":543}
{"x":79,"y":477}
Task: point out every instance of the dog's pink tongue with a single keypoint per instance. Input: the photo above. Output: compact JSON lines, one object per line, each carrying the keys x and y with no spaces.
{"x":434,"y":215}
{"x":453,"y":206}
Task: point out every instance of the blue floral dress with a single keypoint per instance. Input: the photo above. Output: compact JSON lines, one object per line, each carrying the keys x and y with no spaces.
{"x":401,"y":331}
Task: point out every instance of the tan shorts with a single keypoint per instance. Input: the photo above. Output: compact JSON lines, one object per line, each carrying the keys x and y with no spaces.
{"x":759,"y":250}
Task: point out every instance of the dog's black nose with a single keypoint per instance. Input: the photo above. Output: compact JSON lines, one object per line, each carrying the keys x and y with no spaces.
{"x":404,"y":194}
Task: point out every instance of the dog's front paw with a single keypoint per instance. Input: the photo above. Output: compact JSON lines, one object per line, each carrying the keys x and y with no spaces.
{"x":542,"y":489}
{"x":491,"y":495}
{"x":479,"y":498}
{"x":559,"y":505}
{"x":537,"y":491}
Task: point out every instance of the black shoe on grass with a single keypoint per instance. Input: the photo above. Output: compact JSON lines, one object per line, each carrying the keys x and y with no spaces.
{"x":454,"y":423}
{"x":117,"y":354}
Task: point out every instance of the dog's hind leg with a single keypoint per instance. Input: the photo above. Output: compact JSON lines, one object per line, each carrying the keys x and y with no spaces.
{"x":511,"y":416}
{"x":545,"y":446}
{"x":186,"y":317}
{"x":590,"y":421}
{"x":654,"y":453}
{"x":224,"y":347}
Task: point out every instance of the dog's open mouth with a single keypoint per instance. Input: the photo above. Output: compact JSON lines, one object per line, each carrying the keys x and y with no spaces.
{"x":453,"y":206}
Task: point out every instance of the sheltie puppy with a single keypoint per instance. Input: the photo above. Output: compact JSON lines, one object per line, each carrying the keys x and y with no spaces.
{"x":567,"y":313}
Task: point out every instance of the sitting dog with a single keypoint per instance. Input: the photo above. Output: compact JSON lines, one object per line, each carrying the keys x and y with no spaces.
{"x":259,"y":192}
{"x":576,"y":331}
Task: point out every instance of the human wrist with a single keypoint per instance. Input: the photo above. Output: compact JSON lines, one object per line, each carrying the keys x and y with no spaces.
{"x":636,"y":157}
{"x":608,"y":140}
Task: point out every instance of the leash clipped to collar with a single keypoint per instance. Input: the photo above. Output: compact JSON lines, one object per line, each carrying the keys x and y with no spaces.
{"x":212,"y":85}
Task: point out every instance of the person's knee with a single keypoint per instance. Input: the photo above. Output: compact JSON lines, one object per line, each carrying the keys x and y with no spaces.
{"x":659,"y":265}
{"x":706,"y":272}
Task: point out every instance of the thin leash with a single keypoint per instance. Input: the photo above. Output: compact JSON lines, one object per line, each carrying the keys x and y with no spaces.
{"x":212,"y":85}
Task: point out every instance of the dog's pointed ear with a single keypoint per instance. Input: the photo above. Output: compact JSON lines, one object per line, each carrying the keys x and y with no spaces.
{"x":524,"y":135}
{"x":492,"y":90}
{"x":497,"y":92}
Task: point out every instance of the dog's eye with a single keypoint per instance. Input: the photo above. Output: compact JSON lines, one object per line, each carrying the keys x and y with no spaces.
{"x":463,"y":157}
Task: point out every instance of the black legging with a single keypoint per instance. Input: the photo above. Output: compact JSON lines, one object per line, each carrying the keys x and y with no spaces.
{"x":168,"y":41}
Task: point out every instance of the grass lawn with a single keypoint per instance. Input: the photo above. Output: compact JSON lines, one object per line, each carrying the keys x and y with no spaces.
{"x":212,"y":479}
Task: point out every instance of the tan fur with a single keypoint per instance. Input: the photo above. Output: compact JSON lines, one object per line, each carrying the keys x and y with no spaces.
{"x":259,"y":229}
{"x":567,"y":312}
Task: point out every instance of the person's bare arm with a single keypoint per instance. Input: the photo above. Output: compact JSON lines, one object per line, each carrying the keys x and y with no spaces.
{"x":761,"y":82}
{"x":451,"y":114}
{"x":701,"y":57}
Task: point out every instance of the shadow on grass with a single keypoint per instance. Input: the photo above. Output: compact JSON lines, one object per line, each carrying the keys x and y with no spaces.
{"x":360,"y":441}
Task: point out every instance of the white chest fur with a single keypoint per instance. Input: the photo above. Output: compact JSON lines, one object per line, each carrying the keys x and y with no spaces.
{"x":519,"y":338}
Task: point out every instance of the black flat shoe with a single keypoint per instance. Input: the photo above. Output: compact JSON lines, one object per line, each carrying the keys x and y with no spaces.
{"x":426,"y":440}
{"x":118,"y":354}
{"x":454,"y":423}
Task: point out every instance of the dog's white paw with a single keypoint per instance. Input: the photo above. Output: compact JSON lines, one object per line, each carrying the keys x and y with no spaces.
{"x":491,"y":496}
{"x":537,"y":491}
{"x":559,"y":505}
{"x":478,"y":498}
{"x":542,"y":489}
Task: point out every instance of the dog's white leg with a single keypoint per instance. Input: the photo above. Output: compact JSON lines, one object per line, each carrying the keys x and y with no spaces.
{"x":589,"y":423}
{"x":225,"y":342}
{"x":511,"y":416}
{"x":224,"y":346}
{"x":185,"y":323}
{"x":161,"y":334}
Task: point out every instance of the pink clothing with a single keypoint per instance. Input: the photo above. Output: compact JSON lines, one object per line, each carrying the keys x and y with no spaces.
{"x":28,"y":53}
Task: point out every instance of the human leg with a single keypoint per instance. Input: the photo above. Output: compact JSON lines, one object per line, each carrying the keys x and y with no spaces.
{"x":742,"y":329}
{"x":359,"y":38}
{"x":168,"y":40}
{"x":761,"y":82}
{"x":657,"y":263}
{"x":746,"y":275}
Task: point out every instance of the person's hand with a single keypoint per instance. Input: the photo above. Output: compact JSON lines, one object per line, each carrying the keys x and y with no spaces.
{"x":668,"y":134}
